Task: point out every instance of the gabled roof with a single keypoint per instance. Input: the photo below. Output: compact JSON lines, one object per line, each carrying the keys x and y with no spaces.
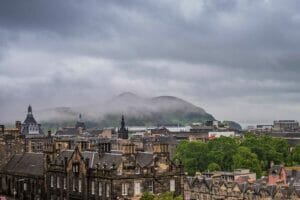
{"x":26,"y":164}
{"x":276,"y":169}
{"x":144,"y":158}
{"x":113,"y":158}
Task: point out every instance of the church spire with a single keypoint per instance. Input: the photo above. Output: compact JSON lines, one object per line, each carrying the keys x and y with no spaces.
{"x":123,"y":132}
{"x":123,"y":123}
{"x":29,"y":109}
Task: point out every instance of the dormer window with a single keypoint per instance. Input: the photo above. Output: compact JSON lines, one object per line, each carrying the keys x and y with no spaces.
{"x":137,"y":170}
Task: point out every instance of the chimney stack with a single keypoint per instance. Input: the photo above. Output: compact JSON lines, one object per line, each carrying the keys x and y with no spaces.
{"x":18,"y":125}
{"x":160,"y":148}
{"x":129,"y":148}
{"x":2,"y":128}
{"x":49,"y":133}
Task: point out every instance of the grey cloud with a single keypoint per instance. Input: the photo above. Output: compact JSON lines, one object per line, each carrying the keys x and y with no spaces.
{"x":241,"y":52}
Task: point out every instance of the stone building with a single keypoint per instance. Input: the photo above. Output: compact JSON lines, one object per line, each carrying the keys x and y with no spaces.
{"x":201,"y":188}
{"x":106,"y":174}
{"x":11,"y":142}
{"x":83,"y":174}
{"x":23,"y":176}
{"x":286,"y":125}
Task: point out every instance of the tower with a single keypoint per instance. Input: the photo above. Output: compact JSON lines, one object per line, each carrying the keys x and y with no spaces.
{"x":123,"y":131}
{"x":80,"y":123}
{"x":30,"y":126}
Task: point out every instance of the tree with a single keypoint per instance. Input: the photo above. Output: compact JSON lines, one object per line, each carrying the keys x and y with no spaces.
{"x":221,"y":151}
{"x":295,"y":155}
{"x":193,"y":156}
{"x":267,"y":149}
{"x":244,"y":158}
{"x":213,"y":167}
{"x":147,"y":196}
{"x":168,"y":196}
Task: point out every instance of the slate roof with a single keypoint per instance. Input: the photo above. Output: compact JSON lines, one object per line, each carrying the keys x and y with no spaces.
{"x":258,"y":188}
{"x":108,"y":159}
{"x":30,"y":119}
{"x":94,"y":158}
{"x":25,"y":164}
{"x":144,"y":158}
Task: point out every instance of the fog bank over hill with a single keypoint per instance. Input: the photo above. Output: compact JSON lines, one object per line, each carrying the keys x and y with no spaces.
{"x":137,"y":110}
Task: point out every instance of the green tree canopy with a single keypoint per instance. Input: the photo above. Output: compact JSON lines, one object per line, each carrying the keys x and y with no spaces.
{"x":193,"y":155}
{"x":295,"y":155}
{"x":213,"y":167}
{"x":244,"y":158}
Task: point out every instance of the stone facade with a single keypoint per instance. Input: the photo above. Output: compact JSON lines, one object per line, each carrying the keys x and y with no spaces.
{"x":11,"y":142}
{"x":214,"y":188}
{"x":83,"y":174}
{"x":76,"y":174}
{"x":23,"y":176}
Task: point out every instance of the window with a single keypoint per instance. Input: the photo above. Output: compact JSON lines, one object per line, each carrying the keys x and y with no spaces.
{"x":172,"y":185}
{"x":100,"y":189}
{"x":57,"y":182}
{"x":73,"y":184}
{"x":79,"y":185}
{"x":107,"y":190}
{"x":25,"y":186}
{"x":137,"y":170}
{"x":52,"y":181}
{"x":76,"y":167}
{"x":150,"y":187}
{"x":65,"y":183}
{"x":125,"y":187}
{"x":93,"y":187}
{"x":137,"y":188}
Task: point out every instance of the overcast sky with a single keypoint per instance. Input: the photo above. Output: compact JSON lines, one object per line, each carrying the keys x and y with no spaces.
{"x":237,"y":59}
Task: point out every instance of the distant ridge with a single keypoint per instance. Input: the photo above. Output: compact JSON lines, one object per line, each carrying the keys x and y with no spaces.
{"x":138,"y":111}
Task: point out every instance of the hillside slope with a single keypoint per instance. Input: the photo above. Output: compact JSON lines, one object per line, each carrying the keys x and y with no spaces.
{"x":138,"y":111}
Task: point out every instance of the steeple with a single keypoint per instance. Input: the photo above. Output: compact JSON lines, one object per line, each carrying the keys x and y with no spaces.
{"x":29,"y":109}
{"x":123,"y":132}
{"x":122,"y":123}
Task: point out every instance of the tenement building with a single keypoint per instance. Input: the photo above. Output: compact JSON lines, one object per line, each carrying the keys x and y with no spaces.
{"x":11,"y":142}
{"x":203,"y":188}
{"x":23,"y":176}
{"x":82,"y":174}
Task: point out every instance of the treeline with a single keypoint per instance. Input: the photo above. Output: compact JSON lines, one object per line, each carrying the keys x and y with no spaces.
{"x":227,"y":153}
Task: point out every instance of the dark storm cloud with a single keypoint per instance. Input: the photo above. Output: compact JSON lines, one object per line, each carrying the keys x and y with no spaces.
{"x":225,"y":55}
